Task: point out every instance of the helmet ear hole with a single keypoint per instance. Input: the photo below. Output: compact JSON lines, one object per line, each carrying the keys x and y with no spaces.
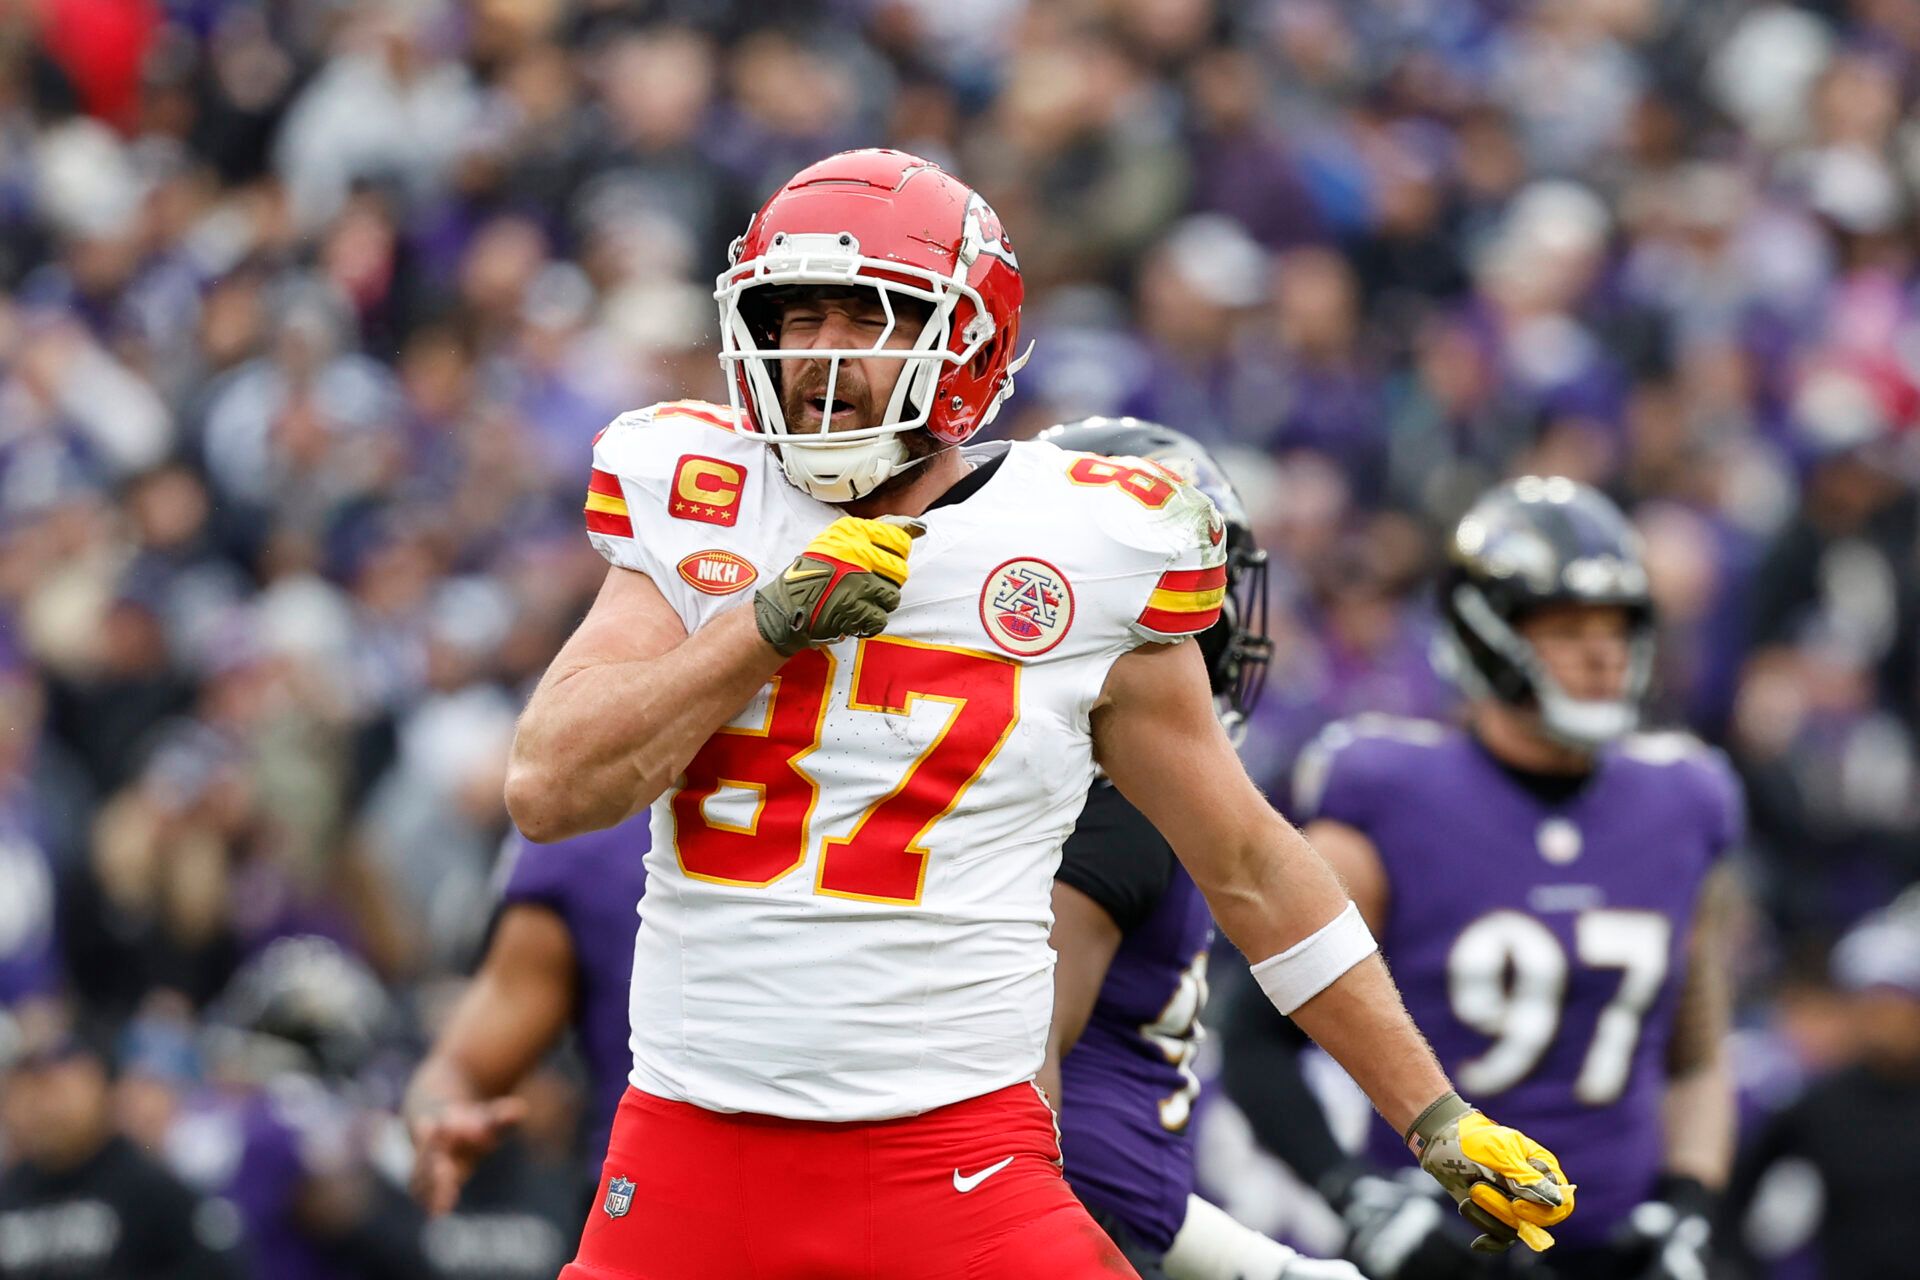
{"x":984,"y":359}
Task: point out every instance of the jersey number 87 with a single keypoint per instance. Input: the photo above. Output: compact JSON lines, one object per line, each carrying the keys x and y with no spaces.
{"x":880,"y":860}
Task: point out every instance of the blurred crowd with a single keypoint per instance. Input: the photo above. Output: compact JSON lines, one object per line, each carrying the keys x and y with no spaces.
{"x":312,"y":307}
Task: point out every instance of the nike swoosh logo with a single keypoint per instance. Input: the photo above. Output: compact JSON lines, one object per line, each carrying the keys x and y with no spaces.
{"x":966,"y":1184}
{"x":803,"y":575}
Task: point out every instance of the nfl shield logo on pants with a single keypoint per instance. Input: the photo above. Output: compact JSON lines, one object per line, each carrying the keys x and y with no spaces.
{"x":619,"y":1198}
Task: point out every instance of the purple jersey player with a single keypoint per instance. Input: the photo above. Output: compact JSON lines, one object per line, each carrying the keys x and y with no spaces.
{"x":1133,"y":932}
{"x":561,"y":952}
{"x":282,"y":1135}
{"x":1539,"y":880}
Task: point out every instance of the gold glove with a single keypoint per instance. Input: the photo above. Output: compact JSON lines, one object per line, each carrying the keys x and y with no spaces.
{"x":1505,"y":1183}
{"x":845,"y":583}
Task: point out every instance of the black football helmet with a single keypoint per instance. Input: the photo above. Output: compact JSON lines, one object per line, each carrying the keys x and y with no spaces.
{"x":1533,"y":542}
{"x":303,"y":1004}
{"x":1237,"y":648}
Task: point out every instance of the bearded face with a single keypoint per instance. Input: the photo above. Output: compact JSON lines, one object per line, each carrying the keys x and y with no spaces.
{"x":841,"y":319}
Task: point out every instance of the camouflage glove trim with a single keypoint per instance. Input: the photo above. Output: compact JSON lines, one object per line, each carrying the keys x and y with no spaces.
{"x":845,"y":583}
{"x":1505,"y":1183}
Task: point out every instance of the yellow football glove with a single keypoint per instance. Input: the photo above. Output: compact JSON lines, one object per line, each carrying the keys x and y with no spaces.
{"x":1505,"y":1183}
{"x":844,"y":584}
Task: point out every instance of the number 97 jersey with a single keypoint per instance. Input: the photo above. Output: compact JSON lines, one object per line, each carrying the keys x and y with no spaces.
{"x":1538,"y":931}
{"x":848,"y":892}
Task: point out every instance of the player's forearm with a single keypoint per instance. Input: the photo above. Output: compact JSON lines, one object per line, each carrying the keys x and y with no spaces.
{"x":1363,"y":1025}
{"x":1280,"y":894}
{"x":1698,"y":1108}
{"x":599,"y":742}
{"x":1699,"y":1115}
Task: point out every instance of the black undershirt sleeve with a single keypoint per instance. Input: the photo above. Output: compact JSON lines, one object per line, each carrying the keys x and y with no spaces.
{"x":1115,"y":857}
{"x":1261,"y":1072}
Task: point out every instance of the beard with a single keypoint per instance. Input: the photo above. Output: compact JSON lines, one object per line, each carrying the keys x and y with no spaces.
{"x":800,"y":396}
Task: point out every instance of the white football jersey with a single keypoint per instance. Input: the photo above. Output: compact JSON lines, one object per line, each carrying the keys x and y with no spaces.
{"x":847,"y":900}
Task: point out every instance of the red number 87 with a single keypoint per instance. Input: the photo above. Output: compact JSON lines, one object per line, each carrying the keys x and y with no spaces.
{"x":881,"y":859}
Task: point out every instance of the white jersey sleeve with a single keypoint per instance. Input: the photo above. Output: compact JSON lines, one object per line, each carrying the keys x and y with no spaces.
{"x":680,"y":496}
{"x":1181,"y":569}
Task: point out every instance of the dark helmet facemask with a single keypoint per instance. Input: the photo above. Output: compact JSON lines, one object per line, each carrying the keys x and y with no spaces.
{"x":1586,"y":724}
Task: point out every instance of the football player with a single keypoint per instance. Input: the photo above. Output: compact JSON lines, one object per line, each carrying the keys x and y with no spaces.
{"x":861,"y":780}
{"x":559,"y":954}
{"x":1545,"y":882}
{"x":1133,"y":933}
{"x":285,"y":1136}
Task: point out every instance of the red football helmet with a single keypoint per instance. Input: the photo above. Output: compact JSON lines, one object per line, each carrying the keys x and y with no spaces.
{"x":906,"y":228}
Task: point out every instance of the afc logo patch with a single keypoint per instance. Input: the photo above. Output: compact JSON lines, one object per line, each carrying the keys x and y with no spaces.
{"x":707,"y":490}
{"x":619,"y":1197}
{"x":1026,"y":607}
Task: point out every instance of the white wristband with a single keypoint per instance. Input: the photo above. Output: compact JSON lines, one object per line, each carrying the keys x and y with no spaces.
{"x":1311,"y":965}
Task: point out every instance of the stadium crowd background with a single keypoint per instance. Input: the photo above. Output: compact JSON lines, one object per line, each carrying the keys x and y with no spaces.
{"x":311,"y":310}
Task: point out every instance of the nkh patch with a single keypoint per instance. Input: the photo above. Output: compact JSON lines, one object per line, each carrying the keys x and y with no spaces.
{"x":1026,"y":607}
{"x":619,"y":1198}
{"x":716,"y":572}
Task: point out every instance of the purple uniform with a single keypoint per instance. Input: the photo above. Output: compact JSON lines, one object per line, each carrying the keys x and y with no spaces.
{"x":257,"y":1150}
{"x":1128,"y":1086}
{"x":593,"y":882}
{"x":1538,"y":931}
{"x":27,"y":964}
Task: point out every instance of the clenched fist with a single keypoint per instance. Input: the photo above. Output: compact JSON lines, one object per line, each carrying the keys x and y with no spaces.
{"x":1505,"y":1183}
{"x":845,"y":583}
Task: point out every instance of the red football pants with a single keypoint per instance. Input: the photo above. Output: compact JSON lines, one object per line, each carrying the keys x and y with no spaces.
{"x":971,"y":1191}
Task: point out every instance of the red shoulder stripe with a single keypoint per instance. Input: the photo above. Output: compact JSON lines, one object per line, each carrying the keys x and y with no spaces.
{"x":1193,"y":579}
{"x":1169,"y":623}
{"x":609,"y":522}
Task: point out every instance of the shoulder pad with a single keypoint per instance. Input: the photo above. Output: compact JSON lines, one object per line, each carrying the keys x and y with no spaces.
{"x":646,"y":455}
{"x":629,"y":445}
{"x":1706,"y":771}
{"x":1171,"y":528}
{"x":1144,"y":505}
{"x":1316,"y":763}
{"x":1665,"y":747}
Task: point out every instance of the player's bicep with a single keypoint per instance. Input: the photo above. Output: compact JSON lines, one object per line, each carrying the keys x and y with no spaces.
{"x":630,"y":621}
{"x":1156,"y":735}
{"x":1355,"y":860}
{"x":1085,"y":938}
{"x":518,"y":1004}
